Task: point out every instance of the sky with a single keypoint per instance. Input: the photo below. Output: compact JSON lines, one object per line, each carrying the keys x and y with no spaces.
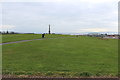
{"x":64,"y":16}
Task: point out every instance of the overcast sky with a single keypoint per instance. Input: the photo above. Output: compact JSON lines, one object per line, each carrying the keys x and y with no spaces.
{"x":64,"y":16}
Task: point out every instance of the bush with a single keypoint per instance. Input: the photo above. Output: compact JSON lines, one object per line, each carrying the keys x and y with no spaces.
{"x":49,"y":73}
{"x":85,"y":74}
{"x":63,"y":73}
{"x":98,"y":74}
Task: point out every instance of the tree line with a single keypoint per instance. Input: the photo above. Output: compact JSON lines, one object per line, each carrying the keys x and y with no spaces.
{"x":8,"y":32}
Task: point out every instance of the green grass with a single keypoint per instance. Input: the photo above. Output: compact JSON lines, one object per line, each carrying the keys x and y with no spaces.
{"x":69,"y":57}
{"x":18,"y":37}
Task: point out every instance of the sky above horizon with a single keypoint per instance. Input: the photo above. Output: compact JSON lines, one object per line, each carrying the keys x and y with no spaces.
{"x":63,"y":16}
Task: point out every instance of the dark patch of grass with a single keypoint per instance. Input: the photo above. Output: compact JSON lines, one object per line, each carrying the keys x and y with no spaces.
{"x":83,"y":74}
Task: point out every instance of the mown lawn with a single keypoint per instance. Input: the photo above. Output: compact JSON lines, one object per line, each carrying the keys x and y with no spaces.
{"x":19,"y":37}
{"x":68,"y":57}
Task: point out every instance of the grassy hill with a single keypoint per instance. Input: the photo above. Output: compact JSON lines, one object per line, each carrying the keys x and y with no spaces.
{"x":69,"y":57}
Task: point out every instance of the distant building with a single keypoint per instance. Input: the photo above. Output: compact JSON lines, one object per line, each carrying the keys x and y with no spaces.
{"x":96,"y":35}
{"x":112,"y":36}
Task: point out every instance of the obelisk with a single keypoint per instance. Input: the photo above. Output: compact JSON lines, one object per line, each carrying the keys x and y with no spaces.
{"x":49,"y":29}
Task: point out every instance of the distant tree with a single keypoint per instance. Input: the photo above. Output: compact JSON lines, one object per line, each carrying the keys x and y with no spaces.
{"x":102,"y":35}
{"x":3,"y":32}
{"x":12,"y":32}
{"x":106,"y":34}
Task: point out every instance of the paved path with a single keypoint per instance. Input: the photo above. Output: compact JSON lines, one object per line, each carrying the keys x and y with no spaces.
{"x":19,"y":41}
{"x":31,"y":40}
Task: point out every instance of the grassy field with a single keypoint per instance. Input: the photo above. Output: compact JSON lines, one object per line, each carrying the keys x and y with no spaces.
{"x":18,"y":37}
{"x":68,"y":57}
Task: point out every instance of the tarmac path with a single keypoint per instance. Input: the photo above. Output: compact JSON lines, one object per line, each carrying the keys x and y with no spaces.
{"x":31,"y":40}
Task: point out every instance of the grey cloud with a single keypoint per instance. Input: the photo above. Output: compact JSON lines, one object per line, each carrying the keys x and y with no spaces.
{"x":63,"y":17}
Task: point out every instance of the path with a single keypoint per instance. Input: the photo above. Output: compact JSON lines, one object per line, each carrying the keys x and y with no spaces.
{"x":31,"y":40}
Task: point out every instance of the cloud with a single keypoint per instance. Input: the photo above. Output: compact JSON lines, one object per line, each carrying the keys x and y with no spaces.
{"x":99,"y":1}
{"x":6,"y":27}
{"x":94,"y":30}
{"x":90,"y":1}
{"x":63,"y":17}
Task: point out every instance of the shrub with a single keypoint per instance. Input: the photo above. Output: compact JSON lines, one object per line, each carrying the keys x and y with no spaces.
{"x":49,"y":73}
{"x":85,"y":74}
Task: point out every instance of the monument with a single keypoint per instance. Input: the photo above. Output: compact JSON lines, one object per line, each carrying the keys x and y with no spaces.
{"x":49,"y":29}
